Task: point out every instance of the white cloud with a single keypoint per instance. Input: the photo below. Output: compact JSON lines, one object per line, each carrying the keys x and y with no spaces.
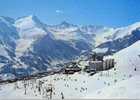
{"x":59,"y":11}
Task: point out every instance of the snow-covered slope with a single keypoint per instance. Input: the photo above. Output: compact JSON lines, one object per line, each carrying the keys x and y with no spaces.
{"x":125,"y":75}
{"x":119,"y":38}
{"x":111,"y":34}
{"x":41,"y":46}
{"x":30,"y":29}
{"x":77,"y":36}
{"x":8,"y":33}
{"x":131,"y":57}
{"x":120,"y":82}
{"x":127,"y":89}
{"x":125,"y":31}
{"x":8,"y":37}
{"x":112,"y":39}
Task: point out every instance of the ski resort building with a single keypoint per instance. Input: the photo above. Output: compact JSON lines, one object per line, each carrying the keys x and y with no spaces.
{"x":96,"y":63}
{"x":71,"y":68}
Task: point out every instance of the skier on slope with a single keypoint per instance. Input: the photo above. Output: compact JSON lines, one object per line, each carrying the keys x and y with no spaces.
{"x":62,"y":96}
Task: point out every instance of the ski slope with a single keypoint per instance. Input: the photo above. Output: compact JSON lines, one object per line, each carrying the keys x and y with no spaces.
{"x":123,"y":81}
{"x":127,"y":89}
{"x":126,"y":76}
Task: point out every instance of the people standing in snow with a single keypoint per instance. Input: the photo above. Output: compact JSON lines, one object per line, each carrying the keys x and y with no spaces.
{"x":62,"y":96}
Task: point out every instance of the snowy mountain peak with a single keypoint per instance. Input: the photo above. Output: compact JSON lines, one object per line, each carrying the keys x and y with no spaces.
{"x":30,"y":27}
{"x":65,"y":24}
{"x":28,"y":21}
{"x":35,"y":19}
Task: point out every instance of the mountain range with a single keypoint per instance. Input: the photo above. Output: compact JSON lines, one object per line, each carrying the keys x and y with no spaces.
{"x":28,"y":45}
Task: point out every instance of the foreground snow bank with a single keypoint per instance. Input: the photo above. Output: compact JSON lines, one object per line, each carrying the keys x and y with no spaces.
{"x":127,"y":89}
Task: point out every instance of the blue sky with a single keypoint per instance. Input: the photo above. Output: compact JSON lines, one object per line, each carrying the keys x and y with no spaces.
{"x":112,"y":13}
